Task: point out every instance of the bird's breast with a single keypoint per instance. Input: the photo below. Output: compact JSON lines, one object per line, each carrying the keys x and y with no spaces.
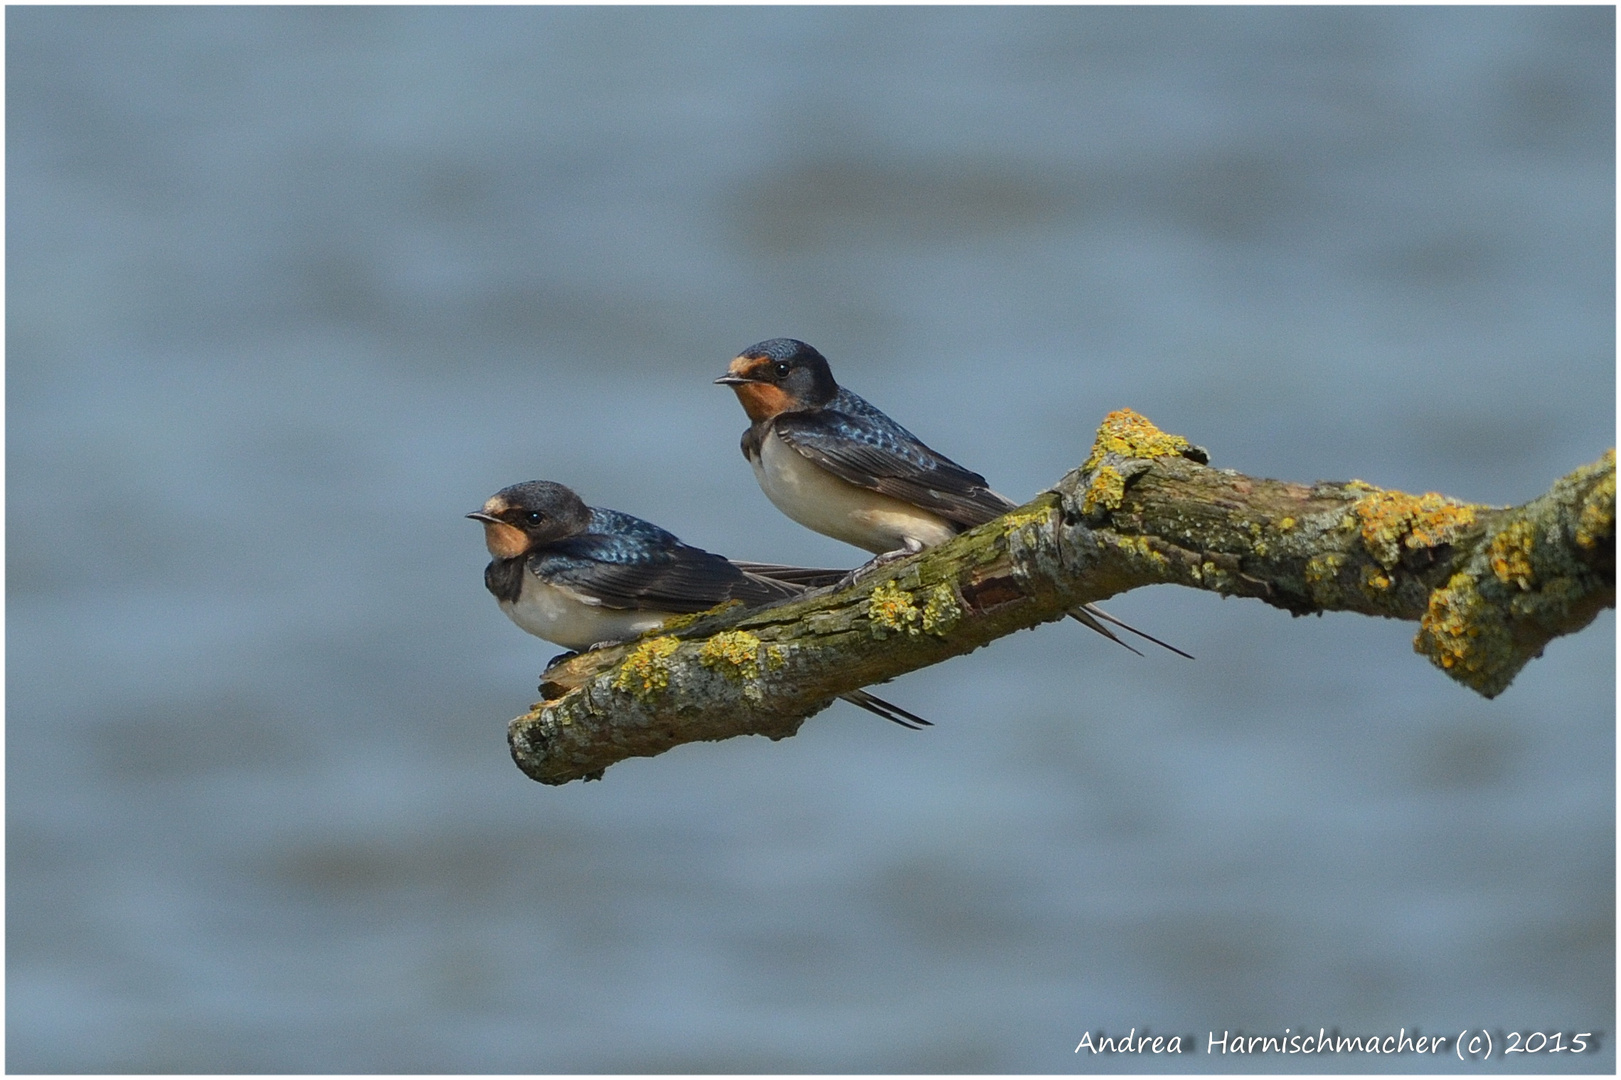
{"x":572,"y":620}
{"x":833,"y":507}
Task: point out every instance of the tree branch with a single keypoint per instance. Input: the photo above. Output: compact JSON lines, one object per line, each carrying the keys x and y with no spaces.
{"x":1488,"y":586}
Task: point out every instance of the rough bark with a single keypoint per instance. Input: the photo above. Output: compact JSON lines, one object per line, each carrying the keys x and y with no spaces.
{"x":1488,"y":586}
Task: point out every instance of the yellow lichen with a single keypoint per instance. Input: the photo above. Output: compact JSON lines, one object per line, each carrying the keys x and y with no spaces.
{"x":1143,"y":548}
{"x":1391,"y":520}
{"x":644,"y":672}
{"x":735,"y":654}
{"x":1132,"y":435}
{"x":891,"y":609}
{"x":1373,"y":580}
{"x":1286,"y":524}
{"x":941,"y":611}
{"x":1510,"y":554}
{"x":1597,"y":521}
{"x":1018,"y":519}
{"x":1322,"y":578}
{"x":1440,"y":520}
{"x":1106,"y":491}
{"x":1465,"y":635}
{"x":1323,"y":567}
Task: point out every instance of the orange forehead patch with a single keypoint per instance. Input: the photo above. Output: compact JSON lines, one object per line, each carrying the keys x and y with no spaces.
{"x":762,"y":401}
{"x":747,"y":365}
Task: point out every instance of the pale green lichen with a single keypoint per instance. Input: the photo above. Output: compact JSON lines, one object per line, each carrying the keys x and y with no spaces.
{"x":1597,"y":519}
{"x":1465,"y":635}
{"x":735,"y":654}
{"x":891,"y":609}
{"x":1549,"y":602}
{"x":676,"y":623}
{"x":941,"y":610}
{"x":644,"y":672}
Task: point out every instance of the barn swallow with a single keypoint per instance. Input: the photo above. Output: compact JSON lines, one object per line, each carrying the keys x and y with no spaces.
{"x":842,"y":468}
{"x":580,"y":576}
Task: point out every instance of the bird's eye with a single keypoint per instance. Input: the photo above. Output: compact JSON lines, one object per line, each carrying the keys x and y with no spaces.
{"x":534,"y":517}
{"x":782,"y":369}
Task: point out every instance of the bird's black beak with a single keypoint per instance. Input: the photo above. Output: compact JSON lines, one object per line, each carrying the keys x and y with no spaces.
{"x":488,"y":519}
{"x":734,"y":380}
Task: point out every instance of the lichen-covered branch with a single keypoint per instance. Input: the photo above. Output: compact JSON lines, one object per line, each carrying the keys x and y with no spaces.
{"x":1488,"y":586}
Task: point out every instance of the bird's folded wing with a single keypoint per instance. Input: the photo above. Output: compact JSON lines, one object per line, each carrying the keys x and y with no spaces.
{"x":679,"y":579}
{"x":886,"y":458}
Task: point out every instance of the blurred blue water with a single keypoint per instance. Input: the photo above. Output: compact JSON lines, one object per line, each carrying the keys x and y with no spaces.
{"x":291,"y":290}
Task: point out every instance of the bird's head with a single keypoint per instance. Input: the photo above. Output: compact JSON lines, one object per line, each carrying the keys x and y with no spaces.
{"x":778,"y":376}
{"x":519,"y":518}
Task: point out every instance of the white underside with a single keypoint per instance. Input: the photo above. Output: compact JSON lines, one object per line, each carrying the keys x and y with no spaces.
{"x":823,"y":503}
{"x":565,"y":618}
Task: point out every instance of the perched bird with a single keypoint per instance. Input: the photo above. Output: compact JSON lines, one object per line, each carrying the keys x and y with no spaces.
{"x":580,"y":576}
{"x":840,"y":467}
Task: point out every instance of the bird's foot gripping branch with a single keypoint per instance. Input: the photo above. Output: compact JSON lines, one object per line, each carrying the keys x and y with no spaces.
{"x":1488,"y":586}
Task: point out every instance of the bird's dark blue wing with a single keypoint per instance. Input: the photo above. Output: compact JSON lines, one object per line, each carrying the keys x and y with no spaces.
{"x":628,"y":563}
{"x":860,"y":445}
